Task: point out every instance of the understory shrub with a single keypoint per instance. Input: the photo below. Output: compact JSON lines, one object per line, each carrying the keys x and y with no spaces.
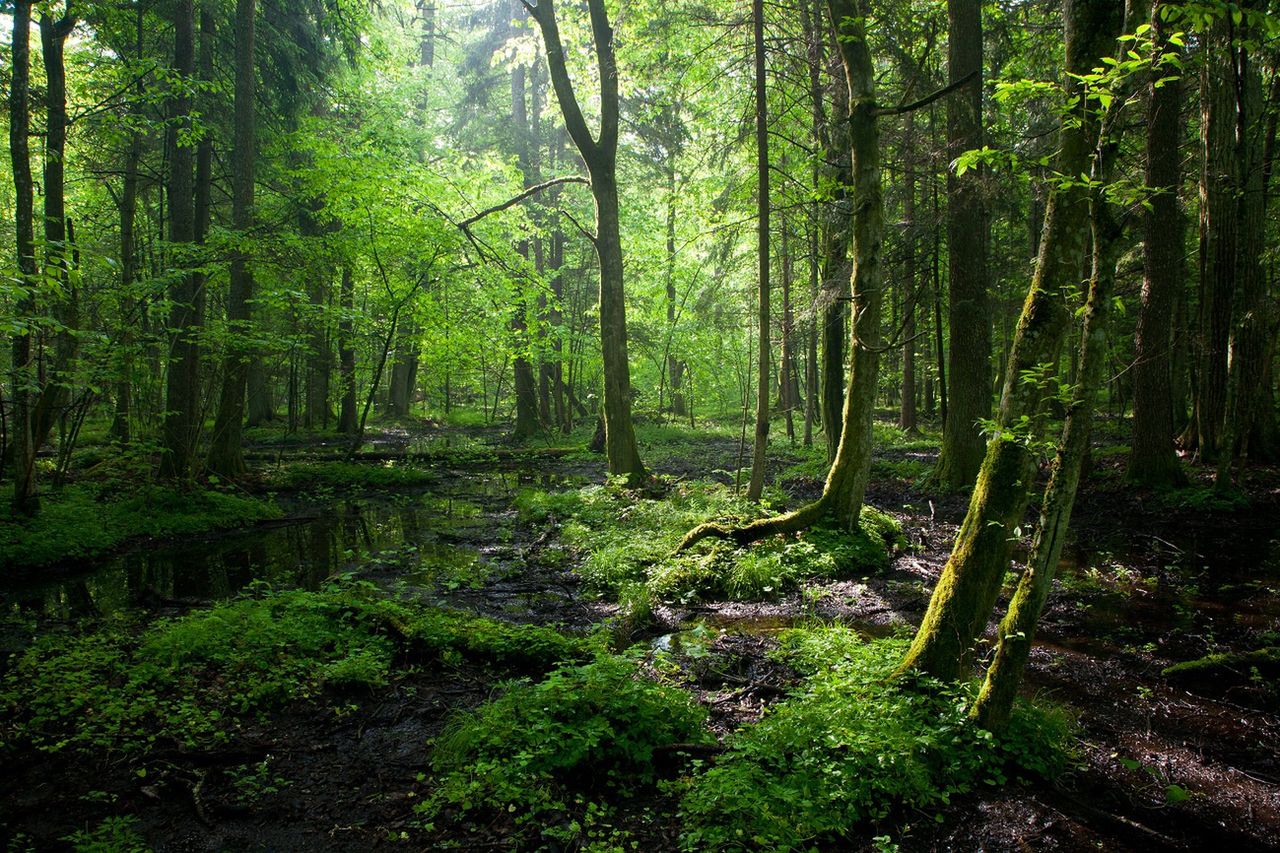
{"x":197,"y":678}
{"x":544,"y":754}
{"x":851,"y":748}
{"x":624,"y":539}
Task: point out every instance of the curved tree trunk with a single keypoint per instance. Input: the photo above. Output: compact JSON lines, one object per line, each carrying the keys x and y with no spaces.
{"x":842,"y":495}
{"x":966,"y":593}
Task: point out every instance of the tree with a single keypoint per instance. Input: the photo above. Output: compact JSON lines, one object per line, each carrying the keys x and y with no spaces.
{"x":224,"y":456}
{"x":25,"y":501}
{"x":600,"y":156}
{"x":846,"y":483}
{"x":964,"y":597}
{"x":969,"y":357}
{"x":182,"y":397}
{"x":1153,"y":460}
{"x":760,"y":448}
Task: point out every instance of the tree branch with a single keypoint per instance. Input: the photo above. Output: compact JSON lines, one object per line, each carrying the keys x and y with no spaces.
{"x":534,"y":190}
{"x":927,"y":99}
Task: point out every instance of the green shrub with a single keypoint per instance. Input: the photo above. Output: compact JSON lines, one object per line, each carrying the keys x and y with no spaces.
{"x":624,"y":538}
{"x":852,"y":747}
{"x":197,"y":678}
{"x":542,"y":750}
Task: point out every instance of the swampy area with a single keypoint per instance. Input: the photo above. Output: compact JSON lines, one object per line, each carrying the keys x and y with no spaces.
{"x":460,"y":643}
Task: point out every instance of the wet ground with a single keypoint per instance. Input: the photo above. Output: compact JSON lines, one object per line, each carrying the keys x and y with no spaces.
{"x":1164,"y":763}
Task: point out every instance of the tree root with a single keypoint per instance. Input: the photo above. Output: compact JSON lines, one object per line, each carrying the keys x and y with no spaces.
{"x":762,"y":528}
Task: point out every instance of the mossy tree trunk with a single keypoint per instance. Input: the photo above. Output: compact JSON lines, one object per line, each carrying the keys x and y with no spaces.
{"x":966,"y":593}
{"x":845,"y":487}
{"x":600,"y":156}
{"x":1017,"y":630}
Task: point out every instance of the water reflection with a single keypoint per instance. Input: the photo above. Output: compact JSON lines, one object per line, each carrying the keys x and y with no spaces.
{"x":425,"y":539}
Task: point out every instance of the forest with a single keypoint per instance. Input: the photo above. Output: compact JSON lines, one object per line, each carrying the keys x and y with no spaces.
{"x":618,"y":425}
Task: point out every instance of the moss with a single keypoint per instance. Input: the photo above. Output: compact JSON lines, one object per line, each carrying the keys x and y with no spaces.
{"x":1265,"y":661}
{"x":62,"y":530}
{"x":623,"y":539}
{"x":199,"y":678}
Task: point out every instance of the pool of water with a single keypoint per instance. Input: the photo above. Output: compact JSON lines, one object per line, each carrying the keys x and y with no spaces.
{"x":452,"y":535}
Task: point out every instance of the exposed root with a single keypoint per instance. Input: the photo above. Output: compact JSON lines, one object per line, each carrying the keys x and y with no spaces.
{"x":762,"y":528}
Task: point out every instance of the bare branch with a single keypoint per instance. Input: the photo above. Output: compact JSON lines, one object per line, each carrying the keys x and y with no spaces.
{"x":927,"y":99}
{"x":569,"y":179}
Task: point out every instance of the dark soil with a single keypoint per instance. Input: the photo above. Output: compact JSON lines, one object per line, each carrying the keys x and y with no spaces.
{"x":1164,"y":763}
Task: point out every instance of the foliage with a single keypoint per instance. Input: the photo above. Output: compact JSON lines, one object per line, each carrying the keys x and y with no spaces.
{"x":113,"y":835}
{"x":626,"y":539}
{"x":542,"y":750}
{"x":82,"y":521}
{"x":851,"y":747}
{"x":197,"y":679}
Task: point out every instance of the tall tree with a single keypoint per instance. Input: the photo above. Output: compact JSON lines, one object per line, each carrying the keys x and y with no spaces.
{"x":966,"y":593}
{"x":969,"y":357}
{"x":1153,"y":460}
{"x":600,"y":154}
{"x":846,"y":483}
{"x":25,"y":501}
{"x":59,"y":253}
{"x":182,"y":397}
{"x":225,"y":457}
{"x":760,"y":449}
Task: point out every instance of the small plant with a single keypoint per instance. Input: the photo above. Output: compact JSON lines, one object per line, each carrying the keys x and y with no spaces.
{"x":252,"y":782}
{"x":113,"y":835}
{"x":853,"y":746}
{"x":542,"y":753}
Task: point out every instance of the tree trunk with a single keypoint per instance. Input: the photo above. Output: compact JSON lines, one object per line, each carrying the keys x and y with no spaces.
{"x":224,"y":456}
{"x":760,"y":447}
{"x":1152,"y":460}
{"x":966,"y":593}
{"x":969,"y":358}
{"x":994,"y":704}
{"x":55,"y":391}
{"x":181,"y":398}
{"x":845,"y":487}
{"x":1252,"y":323}
{"x":347,"y":354}
{"x":600,"y":156}
{"x":907,"y":412}
{"x":25,"y":501}
{"x":1218,"y":224}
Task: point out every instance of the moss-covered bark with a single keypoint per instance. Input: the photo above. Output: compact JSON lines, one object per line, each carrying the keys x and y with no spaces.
{"x":970,"y":582}
{"x":846,"y":484}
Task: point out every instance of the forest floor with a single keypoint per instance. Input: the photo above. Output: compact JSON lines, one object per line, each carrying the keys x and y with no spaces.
{"x":1162,"y":761}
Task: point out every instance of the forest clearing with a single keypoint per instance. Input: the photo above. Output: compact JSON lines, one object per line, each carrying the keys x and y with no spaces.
{"x":639,"y":425}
